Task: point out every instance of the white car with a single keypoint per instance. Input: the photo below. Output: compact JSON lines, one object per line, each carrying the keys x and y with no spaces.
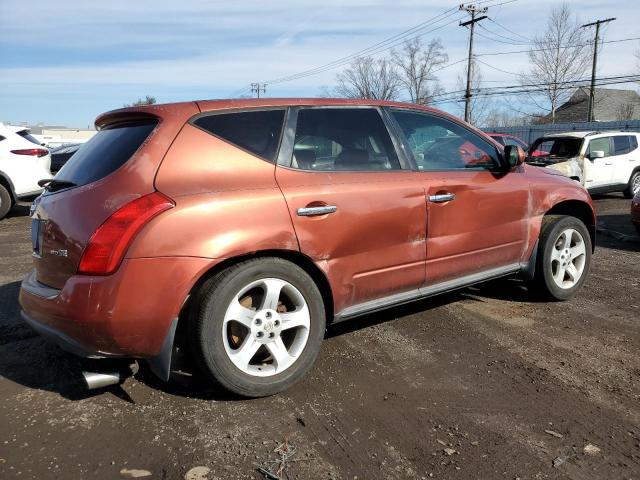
{"x":601,"y":161}
{"x":23,"y":162}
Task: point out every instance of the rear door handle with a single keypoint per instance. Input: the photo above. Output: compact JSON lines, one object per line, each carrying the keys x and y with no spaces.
{"x":441,"y":198}
{"x":315,"y":211}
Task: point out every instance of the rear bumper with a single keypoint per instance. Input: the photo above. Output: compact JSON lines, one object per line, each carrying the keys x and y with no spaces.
{"x":64,"y":341}
{"x":132,"y":313}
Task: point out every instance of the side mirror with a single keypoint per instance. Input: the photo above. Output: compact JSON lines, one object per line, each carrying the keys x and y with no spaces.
{"x":514,"y":156}
{"x":596,"y":154}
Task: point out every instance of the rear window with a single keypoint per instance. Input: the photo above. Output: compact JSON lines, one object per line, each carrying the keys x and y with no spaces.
{"x":107,"y":151}
{"x":27,"y":136}
{"x":258,"y":132}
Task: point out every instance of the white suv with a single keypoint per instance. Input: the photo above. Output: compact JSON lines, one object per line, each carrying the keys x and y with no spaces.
{"x":601,"y":161}
{"x":23,"y":162}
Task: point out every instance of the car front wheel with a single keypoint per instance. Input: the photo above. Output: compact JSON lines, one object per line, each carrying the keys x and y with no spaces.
{"x":564,"y":257}
{"x":257,"y":326}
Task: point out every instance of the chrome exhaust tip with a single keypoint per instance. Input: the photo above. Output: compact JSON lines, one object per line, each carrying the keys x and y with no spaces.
{"x":100,"y":380}
{"x":95,"y":380}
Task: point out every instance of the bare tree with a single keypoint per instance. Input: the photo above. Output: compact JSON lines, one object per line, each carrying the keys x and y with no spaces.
{"x":147,"y":100}
{"x":558,"y":55}
{"x":367,"y":77}
{"x":501,"y":117}
{"x":626,"y":111}
{"x":416,"y":65}
{"x":479,"y":105}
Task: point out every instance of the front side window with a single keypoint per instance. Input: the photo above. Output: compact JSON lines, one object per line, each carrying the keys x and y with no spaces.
{"x":349,"y":139}
{"x":441,"y":144}
{"x":258,"y":132}
{"x":621,"y":145}
{"x":600,"y":144}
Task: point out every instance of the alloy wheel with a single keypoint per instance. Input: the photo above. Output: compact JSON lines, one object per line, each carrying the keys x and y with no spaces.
{"x":635,"y":185}
{"x":568,"y":258}
{"x":266,"y":327}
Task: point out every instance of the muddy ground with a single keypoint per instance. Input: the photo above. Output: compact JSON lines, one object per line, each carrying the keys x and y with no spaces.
{"x":480,"y":384}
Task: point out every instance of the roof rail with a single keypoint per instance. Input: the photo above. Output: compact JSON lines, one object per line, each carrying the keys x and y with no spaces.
{"x":595,"y":132}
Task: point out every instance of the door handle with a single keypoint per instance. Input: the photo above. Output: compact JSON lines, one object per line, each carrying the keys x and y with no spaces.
{"x":441,"y":198}
{"x":315,"y":211}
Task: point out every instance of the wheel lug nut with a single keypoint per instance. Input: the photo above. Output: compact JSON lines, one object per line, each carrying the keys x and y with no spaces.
{"x":276,"y":323}
{"x":258,"y":321}
{"x":271,"y":335}
{"x":268,"y":314}
{"x":259,"y":334}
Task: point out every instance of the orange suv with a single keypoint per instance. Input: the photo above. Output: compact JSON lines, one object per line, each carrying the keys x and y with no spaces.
{"x":241,"y":228}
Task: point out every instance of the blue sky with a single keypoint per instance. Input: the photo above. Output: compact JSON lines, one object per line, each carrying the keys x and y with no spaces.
{"x":64,"y":62}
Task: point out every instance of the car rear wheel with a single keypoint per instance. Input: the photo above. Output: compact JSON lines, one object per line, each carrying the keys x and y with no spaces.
{"x":634,"y":185}
{"x":5,"y":202}
{"x":257,"y":326}
{"x":564,"y":257}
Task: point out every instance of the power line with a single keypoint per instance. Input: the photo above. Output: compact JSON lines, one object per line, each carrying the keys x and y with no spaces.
{"x":510,"y":31}
{"x":497,"y":69}
{"x":379,"y":47}
{"x":550,"y":49}
{"x":534,"y":87}
{"x":372,"y":49}
{"x":350,"y":58}
{"x":508,"y":40}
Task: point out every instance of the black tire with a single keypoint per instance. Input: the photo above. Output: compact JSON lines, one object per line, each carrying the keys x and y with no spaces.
{"x":207,"y":317}
{"x":629,"y":193}
{"x":543,"y":283}
{"x":5,"y":201}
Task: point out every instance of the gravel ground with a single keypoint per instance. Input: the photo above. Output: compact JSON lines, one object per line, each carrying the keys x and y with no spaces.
{"x":483,"y":383}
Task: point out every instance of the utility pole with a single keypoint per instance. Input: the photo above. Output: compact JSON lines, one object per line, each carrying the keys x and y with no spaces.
{"x":473,"y":11}
{"x":592,"y":93}
{"x":258,"y":88}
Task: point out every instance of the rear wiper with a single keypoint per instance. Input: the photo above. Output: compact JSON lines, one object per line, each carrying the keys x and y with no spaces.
{"x":49,"y":183}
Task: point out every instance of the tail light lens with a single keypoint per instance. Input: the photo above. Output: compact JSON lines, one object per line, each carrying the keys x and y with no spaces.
{"x":110,"y":241}
{"x":32,"y":152}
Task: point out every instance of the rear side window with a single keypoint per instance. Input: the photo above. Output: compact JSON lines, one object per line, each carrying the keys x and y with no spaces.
{"x":622,"y":145}
{"x":257,"y":132}
{"x":351,"y":139}
{"x":107,"y":151}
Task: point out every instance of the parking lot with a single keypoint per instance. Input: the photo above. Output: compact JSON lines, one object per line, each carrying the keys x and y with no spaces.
{"x":483,"y":383}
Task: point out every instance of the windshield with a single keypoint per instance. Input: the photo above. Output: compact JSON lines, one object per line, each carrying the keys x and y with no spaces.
{"x":553,"y":147}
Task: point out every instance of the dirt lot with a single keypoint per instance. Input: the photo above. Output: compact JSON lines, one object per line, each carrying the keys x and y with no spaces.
{"x":480,"y":384}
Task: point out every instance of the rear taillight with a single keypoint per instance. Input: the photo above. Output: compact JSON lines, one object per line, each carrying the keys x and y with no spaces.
{"x":33,"y":152}
{"x":110,"y":241}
